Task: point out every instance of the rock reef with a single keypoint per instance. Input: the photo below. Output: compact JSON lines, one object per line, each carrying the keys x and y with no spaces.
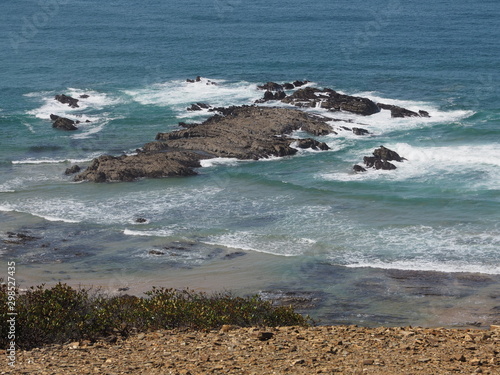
{"x":247,"y":133}
{"x":243,"y":132}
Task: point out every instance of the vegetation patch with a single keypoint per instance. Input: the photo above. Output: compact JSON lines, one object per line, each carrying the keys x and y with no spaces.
{"x":63,"y":314}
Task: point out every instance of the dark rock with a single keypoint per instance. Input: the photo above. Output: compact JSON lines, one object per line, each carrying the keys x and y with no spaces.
{"x":398,"y":111}
{"x":198,"y":107}
{"x":358,"y":168}
{"x":312,"y":143}
{"x":88,"y":121}
{"x":236,"y":254}
{"x":19,"y":238}
{"x":384,"y":164}
{"x":370,"y":161}
{"x":264,"y":336}
{"x":63,"y":123}
{"x":72,"y":102}
{"x":84,"y":96}
{"x":385,"y":153}
{"x":269,"y":95}
{"x":332,"y":100}
{"x":140,"y":220}
{"x":73,"y":169}
{"x":271,"y":86}
{"x":300,"y":83}
{"x":381,"y":158}
{"x":156,"y":252}
{"x":129,"y":168}
{"x":187,"y":125}
{"x":288,"y":86}
{"x":423,"y":113}
{"x":53,"y":117}
{"x":246,"y":132}
{"x":360,"y":131}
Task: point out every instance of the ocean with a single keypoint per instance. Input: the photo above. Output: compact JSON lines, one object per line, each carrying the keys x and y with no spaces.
{"x":415,"y":245}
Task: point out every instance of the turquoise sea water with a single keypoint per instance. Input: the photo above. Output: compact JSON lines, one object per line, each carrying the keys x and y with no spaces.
{"x":301,"y":223}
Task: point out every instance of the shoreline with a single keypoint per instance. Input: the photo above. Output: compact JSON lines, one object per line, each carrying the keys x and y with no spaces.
{"x":332,"y":294}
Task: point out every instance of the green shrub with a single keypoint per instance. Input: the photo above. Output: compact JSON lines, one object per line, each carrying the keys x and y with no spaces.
{"x":62,"y":314}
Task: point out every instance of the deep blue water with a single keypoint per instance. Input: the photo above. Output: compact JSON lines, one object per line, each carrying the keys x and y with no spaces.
{"x":439,"y":211}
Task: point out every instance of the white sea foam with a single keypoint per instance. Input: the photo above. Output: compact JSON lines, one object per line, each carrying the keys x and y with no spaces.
{"x":90,"y":120}
{"x":52,"y":161}
{"x":423,"y":162}
{"x":180,"y":94}
{"x":271,"y":244}
{"x":218,"y":161}
{"x":149,"y":233}
{"x":422,"y":265}
{"x":417,"y":247}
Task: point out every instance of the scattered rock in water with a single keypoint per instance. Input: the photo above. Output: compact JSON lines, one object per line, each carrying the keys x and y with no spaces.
{"x":300,"y":83}
{"x":386,"y":154}
{"x":398,"y":112}
{"x":84,"y":96}
{"x":271,"y":86}
{"x":156,"y":252}
{"x":198,"y":107}
{"x":360,"y":131}
{"x":312,"y":143}
{"x":233,"y":255}
{"x":358,"y":168}
{"x":332,"y":100}
{"x":62,"y":123}
{"x":198,"y":79}
{"x":72,"y":102}
{"x":140,"y":220}
{"x":380,"y":160}
{"x":72,"y":170}
{"x":14,"y":238}
{"x":296,"y":299}
{"x":269,"y":95}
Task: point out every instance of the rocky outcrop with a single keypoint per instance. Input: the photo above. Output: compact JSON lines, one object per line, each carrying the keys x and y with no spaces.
{"x":402,"y":112}
{"x":198,"y":107}
{"x":63,"y":123}
{"x":246,"y":132}
{"x":380,"y":160}
{"x":131,"y":167}
{"x":72,"y":102}
{"x":198,"y":79}
{"x":72,"y":170}
{"x":269,"y":95}
{"x":331,"y":100}
{"x":273,"y":86}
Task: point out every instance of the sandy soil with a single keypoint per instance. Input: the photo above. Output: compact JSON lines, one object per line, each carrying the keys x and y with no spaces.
{"x":285,"y":350}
